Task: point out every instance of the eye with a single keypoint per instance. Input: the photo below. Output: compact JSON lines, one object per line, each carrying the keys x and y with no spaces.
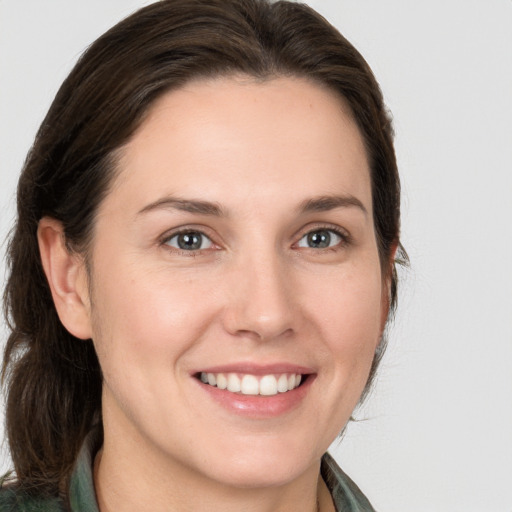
{"x":190,"y":241}
{"x":320,"y":239}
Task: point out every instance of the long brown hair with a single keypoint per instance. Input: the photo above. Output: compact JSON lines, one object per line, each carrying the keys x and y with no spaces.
{"x":53,"y":380}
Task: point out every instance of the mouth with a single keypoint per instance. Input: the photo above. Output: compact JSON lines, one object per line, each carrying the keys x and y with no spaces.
{"x":256,"y":392}
{"x":253,"y":385}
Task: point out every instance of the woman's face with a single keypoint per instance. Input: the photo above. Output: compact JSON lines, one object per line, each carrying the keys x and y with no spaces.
{"x":237,"y":245}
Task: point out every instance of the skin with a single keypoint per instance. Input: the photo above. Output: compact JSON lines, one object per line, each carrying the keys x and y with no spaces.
{"x":255,"y":293}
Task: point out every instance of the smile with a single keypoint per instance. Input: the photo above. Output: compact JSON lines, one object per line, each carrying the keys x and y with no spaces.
{"x":248,"y":384}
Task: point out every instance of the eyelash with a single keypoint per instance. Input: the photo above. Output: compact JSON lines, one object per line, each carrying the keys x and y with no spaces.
{"x":186,"y":231}
{"x":344,"y":239}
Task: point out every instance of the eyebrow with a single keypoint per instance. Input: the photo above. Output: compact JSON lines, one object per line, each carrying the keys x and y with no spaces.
{"x":331,"y":202}
{"x":186,"y":205}
{"x":197,"y":206}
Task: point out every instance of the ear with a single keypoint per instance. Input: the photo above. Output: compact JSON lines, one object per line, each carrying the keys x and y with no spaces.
{"x":67,"y":276}
{"x":386,"y":287}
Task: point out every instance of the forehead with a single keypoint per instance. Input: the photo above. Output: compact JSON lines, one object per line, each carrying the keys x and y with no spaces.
{"x":251,"y":137}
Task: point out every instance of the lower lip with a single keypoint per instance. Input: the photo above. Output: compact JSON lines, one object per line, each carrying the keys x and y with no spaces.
{"x":259,"y":406}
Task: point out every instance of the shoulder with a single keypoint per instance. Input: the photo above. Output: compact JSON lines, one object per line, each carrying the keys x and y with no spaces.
{"x":14,"y":500}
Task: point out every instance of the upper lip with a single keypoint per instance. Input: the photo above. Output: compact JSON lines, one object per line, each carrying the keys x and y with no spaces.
{"x":257,"y":369}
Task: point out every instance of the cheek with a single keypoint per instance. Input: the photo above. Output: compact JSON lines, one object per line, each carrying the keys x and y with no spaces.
{"x":146,"y":319}
{"x":348,"y":309}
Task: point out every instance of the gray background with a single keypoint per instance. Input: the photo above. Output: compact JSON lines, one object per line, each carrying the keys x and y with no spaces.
{"x":437,"y":432}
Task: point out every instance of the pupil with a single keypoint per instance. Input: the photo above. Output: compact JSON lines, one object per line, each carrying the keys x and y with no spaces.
{"x":319,"y":239}
{"x":189,"y":241}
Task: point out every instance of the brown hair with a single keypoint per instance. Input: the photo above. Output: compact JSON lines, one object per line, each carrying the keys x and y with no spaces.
{"x":53,"y":380}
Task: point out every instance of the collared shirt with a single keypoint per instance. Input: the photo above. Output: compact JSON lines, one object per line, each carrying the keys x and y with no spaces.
{"x":346,"y":496}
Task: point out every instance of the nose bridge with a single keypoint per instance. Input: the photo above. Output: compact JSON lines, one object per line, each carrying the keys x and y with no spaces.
{"x":261,"y":301}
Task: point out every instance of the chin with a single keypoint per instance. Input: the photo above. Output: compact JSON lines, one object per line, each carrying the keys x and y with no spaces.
{"x":248,"y":474}
{"x":259,"y":464}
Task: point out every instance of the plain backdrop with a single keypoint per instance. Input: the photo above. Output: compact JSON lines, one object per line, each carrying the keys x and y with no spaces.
{"x":436,"y":434}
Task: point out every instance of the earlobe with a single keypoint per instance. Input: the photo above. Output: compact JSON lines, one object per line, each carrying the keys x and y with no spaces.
{"x":67,"y":278}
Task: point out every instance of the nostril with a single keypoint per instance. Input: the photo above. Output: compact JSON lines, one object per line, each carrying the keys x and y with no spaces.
{"x":264,"y":333}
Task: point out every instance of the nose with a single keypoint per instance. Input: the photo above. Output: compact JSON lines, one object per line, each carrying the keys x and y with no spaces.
{"x":260,"y":301}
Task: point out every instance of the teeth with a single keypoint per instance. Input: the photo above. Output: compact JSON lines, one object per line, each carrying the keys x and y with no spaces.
{"x":250,"y":385}
{"x":234,"y":384}
{"x":222,"y":382}
{"x":282,"y":384}
{"x":267,"y":385}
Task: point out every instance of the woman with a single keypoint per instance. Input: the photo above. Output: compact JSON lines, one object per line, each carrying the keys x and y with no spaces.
{"x":202,"y":268}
